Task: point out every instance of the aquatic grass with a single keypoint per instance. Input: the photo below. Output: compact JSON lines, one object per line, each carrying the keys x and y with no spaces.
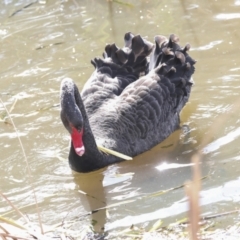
{"x":11,"y":222}
{"x":112,"y":152}
{"x":156,"y":225}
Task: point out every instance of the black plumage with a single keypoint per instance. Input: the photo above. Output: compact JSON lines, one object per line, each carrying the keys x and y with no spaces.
{"x":131,"y":102}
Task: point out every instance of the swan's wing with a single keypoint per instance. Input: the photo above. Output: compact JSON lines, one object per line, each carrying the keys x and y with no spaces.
{"x":151,"y":105}
{"x":147,"y":110}
{"x":169,"y":79}
{"x":118,"y":69}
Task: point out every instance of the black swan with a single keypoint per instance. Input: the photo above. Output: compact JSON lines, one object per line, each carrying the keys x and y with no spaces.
{"x":130,"y":103}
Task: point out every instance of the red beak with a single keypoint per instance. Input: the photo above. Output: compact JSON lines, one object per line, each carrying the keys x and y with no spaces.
{"x":77,"y":141}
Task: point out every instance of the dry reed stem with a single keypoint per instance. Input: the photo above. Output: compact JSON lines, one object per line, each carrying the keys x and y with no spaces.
{"x":7,"y":236}
{"x":4,"y":230}
{"x":13,"y":106}
{"x":28,"y":168}
{"x":192,"y":189}
{"x":15,"y":208}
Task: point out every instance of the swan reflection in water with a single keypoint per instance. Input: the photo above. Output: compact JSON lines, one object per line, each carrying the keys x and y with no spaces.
{"x":127,"y":184}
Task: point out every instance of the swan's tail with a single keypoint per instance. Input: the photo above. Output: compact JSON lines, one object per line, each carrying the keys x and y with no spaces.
{"x":174,"y":66}
{"x":138,"y":57}
{"x":131,"y":59}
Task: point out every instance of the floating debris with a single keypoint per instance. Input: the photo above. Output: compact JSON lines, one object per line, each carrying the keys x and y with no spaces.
{"x":50,"y":45}
{"x":19,"y":10}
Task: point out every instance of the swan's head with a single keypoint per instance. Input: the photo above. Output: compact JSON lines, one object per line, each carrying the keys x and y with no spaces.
{"x":71,"y":115}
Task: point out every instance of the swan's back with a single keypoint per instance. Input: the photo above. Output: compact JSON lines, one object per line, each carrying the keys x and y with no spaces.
{"x":134,"y":97}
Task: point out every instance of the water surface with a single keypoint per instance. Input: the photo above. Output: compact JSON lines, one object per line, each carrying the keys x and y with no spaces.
{"x":47,"y":41}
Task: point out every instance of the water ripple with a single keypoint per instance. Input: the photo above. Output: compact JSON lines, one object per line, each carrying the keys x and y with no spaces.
{"x":227,"y":16}
{"x":230,"y":137}
{"x":208,"y":46}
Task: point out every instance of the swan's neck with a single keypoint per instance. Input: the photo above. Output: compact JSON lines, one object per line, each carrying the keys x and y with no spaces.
{"x":92,"y":158}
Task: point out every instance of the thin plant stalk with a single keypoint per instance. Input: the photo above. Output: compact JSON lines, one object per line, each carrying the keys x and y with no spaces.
{"x":28,"y":168}
{"x":10,"y":203}
{"x":192,"y":189}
